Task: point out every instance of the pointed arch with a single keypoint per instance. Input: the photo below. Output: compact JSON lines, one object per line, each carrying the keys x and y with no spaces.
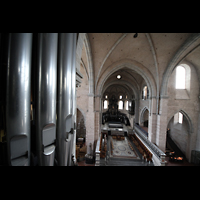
{"x":135,"y":92}
{"x":107,"y":55}
{"x":90,"y":64}
{"x":178,"y":57}
{"x":82,"y":112}
{"x":142,"y":114}
{"x":187,"y":117}
{"x":130,"y":64}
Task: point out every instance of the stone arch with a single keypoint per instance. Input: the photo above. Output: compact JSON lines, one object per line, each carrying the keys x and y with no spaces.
{"x":132,"y":65}
{"x":122,"y":82}
{"x":81,"y":128}
{"x":90,"y":64}
{"x":79,"y":48}
{"x":190,"y":124}
{"x":178,"y":57}
{"x":186,"y":145}
{"x":83,"y":39}
{"x":142,"y":114}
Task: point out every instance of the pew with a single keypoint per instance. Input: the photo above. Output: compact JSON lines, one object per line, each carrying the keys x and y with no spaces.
{"x":147,"y":155}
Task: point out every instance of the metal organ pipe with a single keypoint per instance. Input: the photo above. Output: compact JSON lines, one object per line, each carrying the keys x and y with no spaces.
{"x":46,"y":98}
{"x":65,"y":114}
{"x":74,"y":96}
{"x":55,"y":74}
{"x":72,"y":133}
{"x":18,"y":98}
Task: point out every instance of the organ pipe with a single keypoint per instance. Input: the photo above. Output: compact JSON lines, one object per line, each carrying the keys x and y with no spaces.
{"x":64,"y":112}
{"x":46,"y":98}
{"x":18,"y":98}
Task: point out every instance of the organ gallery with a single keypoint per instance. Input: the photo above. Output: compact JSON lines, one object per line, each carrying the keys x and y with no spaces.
{"x":99,"y":99}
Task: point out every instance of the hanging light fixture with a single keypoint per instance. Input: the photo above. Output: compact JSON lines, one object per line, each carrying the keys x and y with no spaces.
{"x":119,"y":76}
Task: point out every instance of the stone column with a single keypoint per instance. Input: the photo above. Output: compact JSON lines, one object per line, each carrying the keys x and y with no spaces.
{"x":152,"y":121}
{"x":162,"y":123}
{"x":90,"y":122}
{"x":137,"y":110}
{"x":198,"y":133}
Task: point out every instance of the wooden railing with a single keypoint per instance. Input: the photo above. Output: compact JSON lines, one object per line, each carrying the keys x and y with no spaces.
{"x":146,"y":154}
{"x":158,"y":157}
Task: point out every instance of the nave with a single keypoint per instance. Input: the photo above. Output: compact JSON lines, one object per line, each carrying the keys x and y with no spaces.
{"x":122,"y":151}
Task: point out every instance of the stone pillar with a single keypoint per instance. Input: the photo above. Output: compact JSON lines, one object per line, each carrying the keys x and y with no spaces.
{"x":152,"y":121}
{"x":162,"y":123}
{"x":90,"y":122}
{"x":198,"y":136}
{"x":136,"y":110}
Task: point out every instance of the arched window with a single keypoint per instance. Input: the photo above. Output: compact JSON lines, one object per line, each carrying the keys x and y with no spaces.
{"x":145,"y":93}
{"x":120,"y":105}
{"x":105,"y":104}
{"x":178,"y":118}
{"x":180,"y":77}
{"x":126,"y":105}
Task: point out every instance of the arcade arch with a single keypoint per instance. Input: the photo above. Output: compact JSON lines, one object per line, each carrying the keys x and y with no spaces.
{"x":181,"y":133}
{"x":144,"y":117}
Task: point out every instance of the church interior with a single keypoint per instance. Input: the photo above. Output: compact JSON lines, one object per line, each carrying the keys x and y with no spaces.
{"x":100,"y":99}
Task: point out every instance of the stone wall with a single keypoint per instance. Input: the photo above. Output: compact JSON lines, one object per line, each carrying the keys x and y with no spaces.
{"x":184,"y":136}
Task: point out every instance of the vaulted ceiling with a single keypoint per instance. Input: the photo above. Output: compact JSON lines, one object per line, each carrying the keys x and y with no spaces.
{"x":150,"y":53}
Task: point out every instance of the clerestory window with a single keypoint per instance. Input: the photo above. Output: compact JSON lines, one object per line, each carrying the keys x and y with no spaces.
{"x":145,"y":93}
{"x":182,"y":82}
{"x":105,"y":104}
{"x":120,"y":105}
{"x":180,"y":77}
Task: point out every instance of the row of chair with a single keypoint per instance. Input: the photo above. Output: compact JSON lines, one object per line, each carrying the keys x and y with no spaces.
{"x":130,"y":145}
{"x":104,"y":149}
{"x":147,"y":155}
